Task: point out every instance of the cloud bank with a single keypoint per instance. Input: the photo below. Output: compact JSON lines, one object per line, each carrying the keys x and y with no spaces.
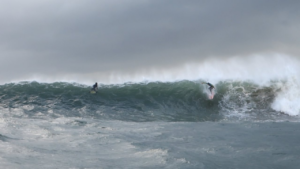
{"x":94,"y":40}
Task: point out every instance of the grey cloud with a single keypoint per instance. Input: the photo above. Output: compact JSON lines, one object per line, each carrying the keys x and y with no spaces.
{"x":83,"y":36}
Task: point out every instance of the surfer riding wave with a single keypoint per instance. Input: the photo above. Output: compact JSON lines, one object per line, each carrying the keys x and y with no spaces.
{"x":95,"y":86}
{"x":211,"y":87}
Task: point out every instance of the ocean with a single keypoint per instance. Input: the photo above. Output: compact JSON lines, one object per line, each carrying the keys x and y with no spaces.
{"x":150,"y":125}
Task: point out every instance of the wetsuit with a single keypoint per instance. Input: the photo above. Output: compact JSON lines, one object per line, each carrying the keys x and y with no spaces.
{"x":210,"y":87}
{"x":95,"y":86}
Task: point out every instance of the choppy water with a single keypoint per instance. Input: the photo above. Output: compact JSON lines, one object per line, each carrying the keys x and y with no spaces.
{"x":148,"y":125}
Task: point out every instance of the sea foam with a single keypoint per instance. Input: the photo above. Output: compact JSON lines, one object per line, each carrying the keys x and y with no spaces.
{"x":288,"y":99}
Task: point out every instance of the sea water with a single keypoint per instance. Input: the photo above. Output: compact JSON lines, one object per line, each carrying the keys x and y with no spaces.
{"x":147,"y":125}
{"x":158,"y":120}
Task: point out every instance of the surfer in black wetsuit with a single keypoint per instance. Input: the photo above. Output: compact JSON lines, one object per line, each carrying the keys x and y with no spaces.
{"x":95,"y":86}
{"x":211,"y":87}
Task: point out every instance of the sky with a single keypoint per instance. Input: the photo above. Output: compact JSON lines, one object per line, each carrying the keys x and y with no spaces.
{"x":111,"y":41}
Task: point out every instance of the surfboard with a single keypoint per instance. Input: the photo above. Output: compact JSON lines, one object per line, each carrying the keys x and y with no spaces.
{"x":211,"y":95}
{"x":93,"y":91}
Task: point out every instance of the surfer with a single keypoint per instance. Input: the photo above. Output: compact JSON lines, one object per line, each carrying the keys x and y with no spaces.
{"x":95,"y":86}
{"x":211,"y":87}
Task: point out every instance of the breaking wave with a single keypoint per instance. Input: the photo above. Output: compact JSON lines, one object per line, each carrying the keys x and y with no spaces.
{"x":154,"y":101}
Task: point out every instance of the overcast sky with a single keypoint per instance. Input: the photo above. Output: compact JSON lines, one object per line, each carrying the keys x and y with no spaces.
{"x":91,"y":38}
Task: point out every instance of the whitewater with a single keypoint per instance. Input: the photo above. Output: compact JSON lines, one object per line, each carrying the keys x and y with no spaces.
{"x":158,"y":118}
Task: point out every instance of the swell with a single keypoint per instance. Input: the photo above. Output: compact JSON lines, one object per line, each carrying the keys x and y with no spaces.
{"x":156,"y":101}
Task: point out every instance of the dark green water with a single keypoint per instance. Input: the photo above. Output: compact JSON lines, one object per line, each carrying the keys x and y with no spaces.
{"x":156,"y":101}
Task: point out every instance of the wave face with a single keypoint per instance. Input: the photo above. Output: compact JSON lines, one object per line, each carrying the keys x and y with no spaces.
{"x":139,"y":102}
